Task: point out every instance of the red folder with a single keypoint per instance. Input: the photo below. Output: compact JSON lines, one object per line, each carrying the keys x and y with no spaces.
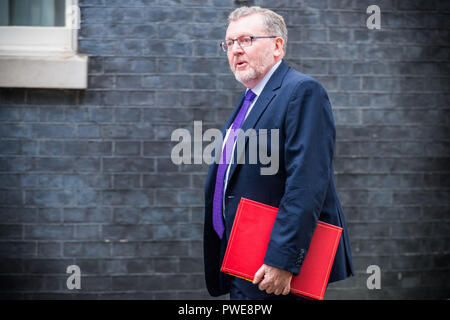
{"x":248,"y":242}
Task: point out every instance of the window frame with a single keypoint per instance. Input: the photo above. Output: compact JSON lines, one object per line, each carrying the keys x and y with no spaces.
{"x":36,"y":40}
{"x":43,"y":57}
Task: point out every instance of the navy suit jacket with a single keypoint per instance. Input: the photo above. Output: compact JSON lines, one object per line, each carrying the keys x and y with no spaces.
{"x":303,"y":188}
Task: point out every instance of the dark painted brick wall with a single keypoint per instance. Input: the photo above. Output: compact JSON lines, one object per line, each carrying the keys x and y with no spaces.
{"x":86,"y":176}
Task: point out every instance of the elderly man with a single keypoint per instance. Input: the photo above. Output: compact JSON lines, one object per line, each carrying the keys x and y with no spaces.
{"x":277,"y":97}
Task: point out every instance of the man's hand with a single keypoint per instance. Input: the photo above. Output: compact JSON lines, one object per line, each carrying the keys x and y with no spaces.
{"x":273,"y":280}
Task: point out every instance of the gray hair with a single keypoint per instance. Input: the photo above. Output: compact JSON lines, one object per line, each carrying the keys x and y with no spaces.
{"x":273,"y":23}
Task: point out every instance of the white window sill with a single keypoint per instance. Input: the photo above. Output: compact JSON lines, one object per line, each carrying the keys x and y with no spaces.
{"x":58,"y":71}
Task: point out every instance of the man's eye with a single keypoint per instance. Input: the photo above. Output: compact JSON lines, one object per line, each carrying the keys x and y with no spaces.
{"x":229,"y":43}
{"x":246,"y":40}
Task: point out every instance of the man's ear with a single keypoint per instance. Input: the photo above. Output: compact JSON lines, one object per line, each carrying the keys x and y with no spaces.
{"x":279,"y":47}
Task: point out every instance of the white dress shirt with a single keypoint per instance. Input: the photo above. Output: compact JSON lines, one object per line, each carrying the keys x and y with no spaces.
{"x":256,"y":90}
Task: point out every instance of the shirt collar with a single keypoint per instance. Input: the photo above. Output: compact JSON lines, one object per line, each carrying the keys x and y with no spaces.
{"x":261,"y":84}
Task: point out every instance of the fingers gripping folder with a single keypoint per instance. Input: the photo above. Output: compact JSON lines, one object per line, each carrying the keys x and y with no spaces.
{"x":248,"y":242}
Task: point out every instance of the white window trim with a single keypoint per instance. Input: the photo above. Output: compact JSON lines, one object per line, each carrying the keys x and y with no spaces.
{"x":43,"y":57}
{"x":36,"y":40}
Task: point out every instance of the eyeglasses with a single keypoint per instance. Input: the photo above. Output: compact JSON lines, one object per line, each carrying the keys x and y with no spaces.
{"x":244,"y":41}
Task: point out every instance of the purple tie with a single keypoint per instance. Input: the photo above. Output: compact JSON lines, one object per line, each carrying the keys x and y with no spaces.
{"x":218,"y":223}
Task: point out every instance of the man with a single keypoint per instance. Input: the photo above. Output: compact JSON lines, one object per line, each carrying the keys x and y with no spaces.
{"x":303,"y":188}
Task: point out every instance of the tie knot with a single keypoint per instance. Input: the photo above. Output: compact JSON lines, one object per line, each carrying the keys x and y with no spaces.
{"x":250,"y":95}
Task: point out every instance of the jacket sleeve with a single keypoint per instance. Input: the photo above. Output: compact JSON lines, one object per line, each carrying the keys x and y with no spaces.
{"x":309,"y":145}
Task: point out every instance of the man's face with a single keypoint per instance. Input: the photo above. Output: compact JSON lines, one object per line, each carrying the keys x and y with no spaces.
{"x":250,"y":64}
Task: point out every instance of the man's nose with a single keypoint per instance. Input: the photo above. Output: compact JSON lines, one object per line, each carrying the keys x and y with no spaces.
{"x":236,"y":48}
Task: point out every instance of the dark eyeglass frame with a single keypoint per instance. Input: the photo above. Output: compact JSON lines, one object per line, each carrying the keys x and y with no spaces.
{"x":225,"y":46}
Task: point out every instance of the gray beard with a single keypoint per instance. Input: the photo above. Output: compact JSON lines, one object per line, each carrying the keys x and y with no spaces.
{"x":252,"y":75}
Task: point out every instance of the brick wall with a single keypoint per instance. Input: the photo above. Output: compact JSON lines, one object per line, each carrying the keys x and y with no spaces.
{"x":86,"y":176}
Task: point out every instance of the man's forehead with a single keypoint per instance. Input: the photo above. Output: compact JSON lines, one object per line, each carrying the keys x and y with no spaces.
{"x":247,"y":25}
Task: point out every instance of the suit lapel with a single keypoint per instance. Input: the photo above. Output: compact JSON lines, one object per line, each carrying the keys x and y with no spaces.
{"x":266,"y":96}
{"x":210,"y":179}
{"x":258,"y":109}
{"x":233,"y":114}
